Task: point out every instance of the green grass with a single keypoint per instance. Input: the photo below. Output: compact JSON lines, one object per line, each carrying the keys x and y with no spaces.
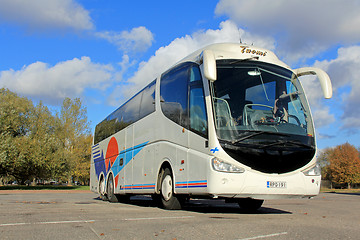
{"x":43,"y":187}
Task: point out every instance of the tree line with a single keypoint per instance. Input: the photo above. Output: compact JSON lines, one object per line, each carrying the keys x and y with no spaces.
{"x":341,"y":165}
{"x":38,"y":145}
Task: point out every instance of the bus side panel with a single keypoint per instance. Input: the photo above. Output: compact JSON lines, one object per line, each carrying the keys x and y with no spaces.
{"x":100,"y":165}
{"x":166,"y":153}
{"x":181,"y":169}
{"x":128,"y":169}
{"x":143,"y":162}
{"x":198,"y":159}
{"x":150,"y":169}
{"x":173,"y":148}
{"x":198,"y":172}
{"x":119,"y":164}
{"x":93,"y":178}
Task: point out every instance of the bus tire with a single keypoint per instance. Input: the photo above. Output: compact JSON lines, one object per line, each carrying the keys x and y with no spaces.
{"x":250,"y":204}
{"x":102,"y":189}
{"x":110,"y":190}
{"x":168,"y":199}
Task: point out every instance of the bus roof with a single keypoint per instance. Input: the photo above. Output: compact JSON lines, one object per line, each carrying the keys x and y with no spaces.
{"x":236,"y":51}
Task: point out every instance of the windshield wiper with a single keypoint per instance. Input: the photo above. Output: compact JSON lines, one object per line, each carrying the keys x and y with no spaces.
{"x":255,"y":134}
{"x":248,"y":136}
{"x":286,"y":142}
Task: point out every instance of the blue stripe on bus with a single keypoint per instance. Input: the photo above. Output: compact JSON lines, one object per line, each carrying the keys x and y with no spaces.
{"x":139,"y":186}
{"x":134,"y":148}
{"x":127,"y":156}
{"x":191,"y":184}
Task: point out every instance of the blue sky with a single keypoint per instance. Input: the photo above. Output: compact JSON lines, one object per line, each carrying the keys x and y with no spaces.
{"x":104,"y":51}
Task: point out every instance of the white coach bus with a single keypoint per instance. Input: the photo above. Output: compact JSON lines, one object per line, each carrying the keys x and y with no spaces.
{"x":229,"y":121}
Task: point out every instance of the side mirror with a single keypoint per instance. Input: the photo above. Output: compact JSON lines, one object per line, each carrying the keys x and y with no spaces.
{"x":209,"y":63}
{"x":323,"y":78}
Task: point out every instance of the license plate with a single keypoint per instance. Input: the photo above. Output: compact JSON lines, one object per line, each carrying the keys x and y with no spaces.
{"x":275,"y":184}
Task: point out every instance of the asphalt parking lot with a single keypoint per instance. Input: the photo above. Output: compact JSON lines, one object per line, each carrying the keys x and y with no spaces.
{"x":82,"y":215}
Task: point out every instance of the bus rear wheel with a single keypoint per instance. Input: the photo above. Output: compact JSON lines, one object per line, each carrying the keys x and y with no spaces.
{"x":110,"y":190}
{"x":250,"y":204}
{"x":102,"y":189}
{"x":168,"y":199}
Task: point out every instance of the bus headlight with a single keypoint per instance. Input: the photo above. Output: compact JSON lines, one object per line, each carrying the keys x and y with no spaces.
{"x":221,"y":166}
{"x":315,"y":171}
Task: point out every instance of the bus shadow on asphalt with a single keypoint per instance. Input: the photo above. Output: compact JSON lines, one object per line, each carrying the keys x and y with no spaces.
{"x":203,"y":206}
{"x":345,"y":193}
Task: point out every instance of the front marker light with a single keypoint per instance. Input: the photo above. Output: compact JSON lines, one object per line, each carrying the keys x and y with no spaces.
{"x":221,"y":166}
{"x":315,"y":171}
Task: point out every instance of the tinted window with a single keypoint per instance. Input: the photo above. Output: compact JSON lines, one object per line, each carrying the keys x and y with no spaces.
{"x":173,"y":90}
{"x":195,"y":75}
{"x":182,"y":97}
{"x":147,"y":105}
{"x":132,"y":109}
{"x":198,"y":119}
{"x":141,"y":105}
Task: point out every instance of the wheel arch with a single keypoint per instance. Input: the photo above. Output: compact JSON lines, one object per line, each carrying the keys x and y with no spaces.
{"x":165,"y":164}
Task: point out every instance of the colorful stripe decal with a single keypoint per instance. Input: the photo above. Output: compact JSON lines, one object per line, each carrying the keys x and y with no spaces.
{"x":191,"y":184}
{"x":138,"y":186}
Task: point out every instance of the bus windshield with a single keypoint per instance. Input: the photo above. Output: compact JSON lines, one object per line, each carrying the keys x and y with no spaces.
{"x":261,"y":105}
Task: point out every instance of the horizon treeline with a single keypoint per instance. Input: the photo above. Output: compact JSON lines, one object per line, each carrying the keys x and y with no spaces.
{"x":341,"y":165}
{"x":38,"y":145}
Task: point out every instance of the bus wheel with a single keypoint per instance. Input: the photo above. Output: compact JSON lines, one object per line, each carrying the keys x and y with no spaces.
{"x":168,"y":199}
{"x":110,"y":190}
{"x":250,"y":204}
{"x":102,"y":189}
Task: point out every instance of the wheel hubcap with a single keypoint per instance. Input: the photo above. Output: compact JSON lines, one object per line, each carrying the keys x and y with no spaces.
{"x":102,"y":187}
{"x":166,"y":188}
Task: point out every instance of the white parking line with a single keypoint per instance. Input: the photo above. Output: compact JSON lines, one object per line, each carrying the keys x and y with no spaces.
{"x":12,"y":224}
{"x":76,"y":221}
{"x":265,"y":236}
{"x":156,"y":218}
{"x":91,"y":221}
{"x":36,"y":223}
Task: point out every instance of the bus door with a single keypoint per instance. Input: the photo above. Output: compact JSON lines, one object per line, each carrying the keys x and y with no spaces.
{"x":198,"y":135}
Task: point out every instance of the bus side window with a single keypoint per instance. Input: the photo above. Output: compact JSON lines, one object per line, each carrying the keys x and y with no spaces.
{"x":198,"y":120}
{"x":198,"y":117}
{"x":141,"y":105}
{"x":147,"y":105}
{"x":173,"y":91}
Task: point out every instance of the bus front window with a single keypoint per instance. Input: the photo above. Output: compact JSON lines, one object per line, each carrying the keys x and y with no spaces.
{"x":260,"y":109}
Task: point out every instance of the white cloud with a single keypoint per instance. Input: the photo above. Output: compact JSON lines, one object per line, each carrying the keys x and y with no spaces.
{"x":137,"y":40}
{"x":344,"y":73}
{"x":304,"y":28}
{"x":46,"y":15}
{"x":179,"y":48}
{"x":52,"y":84}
